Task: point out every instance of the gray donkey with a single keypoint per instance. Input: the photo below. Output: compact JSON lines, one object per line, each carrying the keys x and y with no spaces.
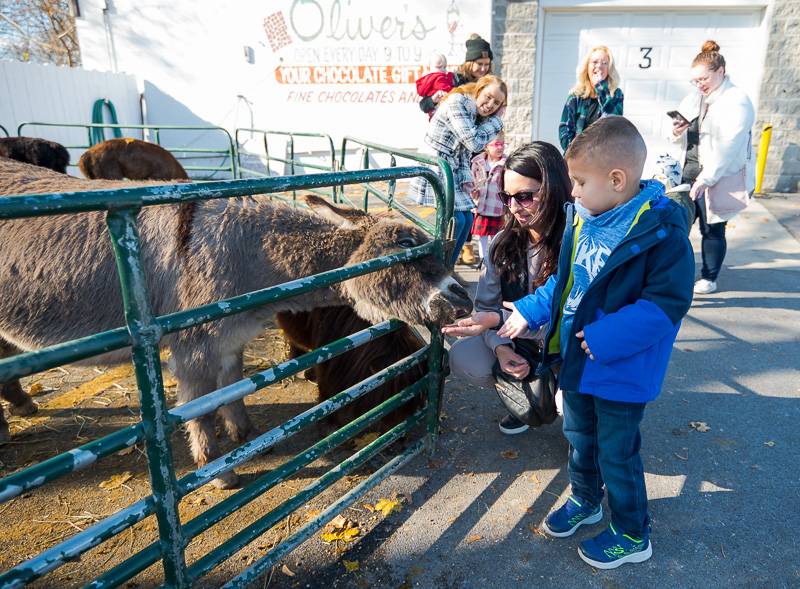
{"x":58,"y":282}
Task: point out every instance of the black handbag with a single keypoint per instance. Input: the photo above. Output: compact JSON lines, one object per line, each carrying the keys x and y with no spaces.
{"x":532,"y":400}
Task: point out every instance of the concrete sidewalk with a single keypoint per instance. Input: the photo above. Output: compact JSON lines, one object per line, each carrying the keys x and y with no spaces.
{"x":725,"y":503}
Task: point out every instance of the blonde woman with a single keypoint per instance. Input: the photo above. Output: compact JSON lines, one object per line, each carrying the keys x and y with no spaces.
{"x":596,"y":94}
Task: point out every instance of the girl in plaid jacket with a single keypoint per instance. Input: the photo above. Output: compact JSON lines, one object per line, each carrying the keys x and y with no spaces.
{"x":487,"y":174}
{"x":466,"y":120}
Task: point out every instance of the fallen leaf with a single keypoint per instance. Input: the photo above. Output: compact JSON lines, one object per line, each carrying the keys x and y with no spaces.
{"x":700,"y":426}
{"x":35,"y":388}
{"x":287,"y":571}
{"x":510,"y":454}
{"x":350,"y":565}
{"x":537,"y":530}
{"x":125,"y":451}
{"x":771,"y":444}
{"x":116,"y":481}
{"x":340,"y":528}
{"x":311,"y":514}
{"x":364,"y":440}
{"x":387,"y":506}
{"x":368,"y":507}
{"x":347,"y":535}
{"x":473,"y":538}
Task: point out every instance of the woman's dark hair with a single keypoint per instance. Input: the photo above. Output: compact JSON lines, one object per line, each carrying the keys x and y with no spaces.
{"x":544,"y":163}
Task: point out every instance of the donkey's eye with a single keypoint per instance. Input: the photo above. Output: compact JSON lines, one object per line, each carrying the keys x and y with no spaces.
{"x":406,"y":242}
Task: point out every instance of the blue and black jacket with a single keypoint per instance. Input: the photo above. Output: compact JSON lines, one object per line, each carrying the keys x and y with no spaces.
{"x":630,"y":313}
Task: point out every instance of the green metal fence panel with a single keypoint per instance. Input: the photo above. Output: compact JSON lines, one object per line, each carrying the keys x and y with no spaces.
{"x":96,"y":130}
{"x":445,"y":173}
{"x":3,"y":130}
{"x":143,"y":332}
{"x":292,"y":160}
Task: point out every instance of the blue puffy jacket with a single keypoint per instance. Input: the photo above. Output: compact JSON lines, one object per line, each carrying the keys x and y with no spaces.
{"x":630,"y":313}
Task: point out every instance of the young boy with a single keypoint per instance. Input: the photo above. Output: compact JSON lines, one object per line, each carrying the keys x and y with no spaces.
{"x":624,"y":283}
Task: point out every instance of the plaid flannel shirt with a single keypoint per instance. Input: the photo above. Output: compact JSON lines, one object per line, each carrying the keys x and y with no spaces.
{"x":488,"y":179}
{"x":575,"y":116}
{"x":455,"y":133}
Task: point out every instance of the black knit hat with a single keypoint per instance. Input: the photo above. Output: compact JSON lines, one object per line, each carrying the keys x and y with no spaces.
{"x":478,"y":48}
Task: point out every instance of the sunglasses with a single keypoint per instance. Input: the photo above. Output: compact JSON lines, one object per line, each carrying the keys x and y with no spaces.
{"x":523,"y":198}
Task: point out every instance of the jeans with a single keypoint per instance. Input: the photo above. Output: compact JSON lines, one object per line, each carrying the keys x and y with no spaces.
{"x":463,"y":225}
{"x":713,"y":245}
{"x":604,"y":442}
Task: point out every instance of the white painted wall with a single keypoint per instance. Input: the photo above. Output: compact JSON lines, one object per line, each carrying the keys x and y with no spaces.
{"x":52,"y":94}
{"x":191,"y":55}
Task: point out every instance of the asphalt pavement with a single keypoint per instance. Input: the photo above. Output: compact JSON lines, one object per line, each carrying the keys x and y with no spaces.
{"x":720,"y":448}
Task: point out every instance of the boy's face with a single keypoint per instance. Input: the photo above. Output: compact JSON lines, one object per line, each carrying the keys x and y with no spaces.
{"x":597,"y":190}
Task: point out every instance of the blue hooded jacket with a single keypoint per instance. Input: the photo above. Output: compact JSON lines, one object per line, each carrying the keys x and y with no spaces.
{"x":630,"y":313}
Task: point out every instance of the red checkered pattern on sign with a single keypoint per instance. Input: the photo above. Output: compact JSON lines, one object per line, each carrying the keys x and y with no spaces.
{"x":277,"y":33}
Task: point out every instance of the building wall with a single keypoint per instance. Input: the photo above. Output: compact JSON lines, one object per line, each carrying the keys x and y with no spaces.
{"x":779,"y":103}
{"x":514,"y":26}
{"x":514,"y":46}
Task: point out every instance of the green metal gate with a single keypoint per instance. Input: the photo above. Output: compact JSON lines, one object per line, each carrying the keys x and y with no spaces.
{"x":95,"y":130}
{"x":143,"y":332}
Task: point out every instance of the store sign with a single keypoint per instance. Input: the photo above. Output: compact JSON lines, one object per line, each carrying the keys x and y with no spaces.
{"x":361,"y":58}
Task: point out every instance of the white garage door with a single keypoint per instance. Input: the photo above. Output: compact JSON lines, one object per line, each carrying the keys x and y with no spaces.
{"x":653,"y":51}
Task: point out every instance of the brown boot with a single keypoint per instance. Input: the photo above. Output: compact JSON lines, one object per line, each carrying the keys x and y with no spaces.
{"x":468,"y":255}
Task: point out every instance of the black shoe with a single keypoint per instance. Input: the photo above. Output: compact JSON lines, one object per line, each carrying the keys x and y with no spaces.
{"x":510,"y":425}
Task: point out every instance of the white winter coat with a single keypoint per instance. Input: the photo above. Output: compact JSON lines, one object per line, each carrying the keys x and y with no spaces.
{"x":725,"y":133}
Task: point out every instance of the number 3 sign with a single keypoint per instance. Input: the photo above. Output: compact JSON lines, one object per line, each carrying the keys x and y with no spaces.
{"x":646,"y":59}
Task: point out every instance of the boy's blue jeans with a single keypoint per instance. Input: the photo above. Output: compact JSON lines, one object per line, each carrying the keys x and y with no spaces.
{"x":463,"y":224}
{"x":604,"y":442}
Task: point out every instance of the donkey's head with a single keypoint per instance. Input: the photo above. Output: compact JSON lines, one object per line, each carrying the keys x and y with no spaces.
{"x":417,"y":291}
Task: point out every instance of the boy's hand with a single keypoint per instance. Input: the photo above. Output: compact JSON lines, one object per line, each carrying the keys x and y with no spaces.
{"x":437,"y":96}
{"x":515,"y":326}
{"x":474,"y":325}
{"x":584,"y":345}
{"x":511,"y":362}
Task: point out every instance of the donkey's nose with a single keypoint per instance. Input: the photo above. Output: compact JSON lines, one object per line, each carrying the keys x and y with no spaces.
{"x":460,"y":299}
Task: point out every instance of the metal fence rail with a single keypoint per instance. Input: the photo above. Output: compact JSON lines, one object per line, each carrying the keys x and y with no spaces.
{"x":292,"y":161}
{"x":143,"y":332}
{"x":3,"y":130}
{"x":388,"y":197}
{"x":154,"y":135}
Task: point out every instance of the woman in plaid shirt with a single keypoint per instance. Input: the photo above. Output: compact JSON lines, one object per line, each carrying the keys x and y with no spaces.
{"x":595,"y":95}
{"x":466,"y":120}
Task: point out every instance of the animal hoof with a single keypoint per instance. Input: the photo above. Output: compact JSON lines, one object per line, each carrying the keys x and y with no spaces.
{"x":310,"y":374}
{"x":27,"y":408}
{"x":227,"y":480}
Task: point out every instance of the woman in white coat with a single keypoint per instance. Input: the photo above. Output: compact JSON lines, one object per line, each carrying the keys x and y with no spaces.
{"x":718,"y":155}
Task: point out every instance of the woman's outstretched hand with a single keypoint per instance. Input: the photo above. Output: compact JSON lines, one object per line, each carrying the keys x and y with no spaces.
{"x":473,"y":325}
{"x":515,"y":326}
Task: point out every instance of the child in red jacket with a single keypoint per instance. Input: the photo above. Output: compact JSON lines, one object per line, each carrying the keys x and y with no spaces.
{"x":438,"y":82}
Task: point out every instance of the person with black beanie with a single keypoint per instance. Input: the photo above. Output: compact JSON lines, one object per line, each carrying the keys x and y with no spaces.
{"x":477,"y":63}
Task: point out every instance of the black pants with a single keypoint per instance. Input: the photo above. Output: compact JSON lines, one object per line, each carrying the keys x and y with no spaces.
{"x":713,"y":245}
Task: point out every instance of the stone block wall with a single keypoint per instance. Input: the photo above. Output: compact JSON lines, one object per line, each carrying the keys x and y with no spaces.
{"x":779,"y":102}
{"x":514,"y":47}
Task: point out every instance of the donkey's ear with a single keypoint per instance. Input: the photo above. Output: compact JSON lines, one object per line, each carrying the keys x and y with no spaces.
{"x":341,"y":217}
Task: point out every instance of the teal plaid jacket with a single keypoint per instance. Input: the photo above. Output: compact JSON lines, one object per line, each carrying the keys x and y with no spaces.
{"x":576,"y":114}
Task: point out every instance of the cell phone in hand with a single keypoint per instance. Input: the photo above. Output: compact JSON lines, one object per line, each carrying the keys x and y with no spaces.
{"x":675,"y":115}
